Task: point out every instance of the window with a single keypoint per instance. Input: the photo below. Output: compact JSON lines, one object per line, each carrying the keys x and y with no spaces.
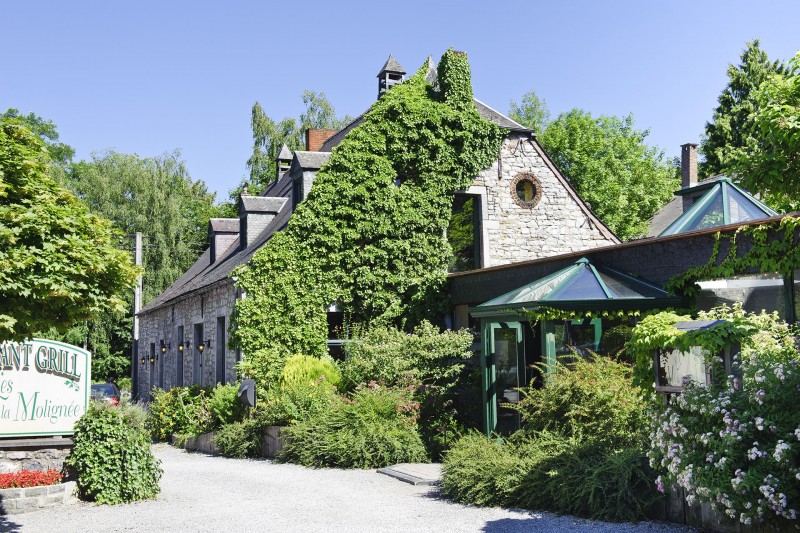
{"x":526,"y":190}
{"x":220,"y":351}
{"x":464,"y":233}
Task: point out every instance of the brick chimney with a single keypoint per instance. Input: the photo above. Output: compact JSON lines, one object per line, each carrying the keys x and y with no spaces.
{"x":255,"y":214}
{"x":222,"y":232}
{"x":316,"y":136}
{"x":688,"y":171}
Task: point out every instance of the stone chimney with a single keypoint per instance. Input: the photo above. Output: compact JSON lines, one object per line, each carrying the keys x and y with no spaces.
{"x":222,"y":232}
{"x":255,"y":214}
{"x":688,"y":171}
{"x":316,"y":136}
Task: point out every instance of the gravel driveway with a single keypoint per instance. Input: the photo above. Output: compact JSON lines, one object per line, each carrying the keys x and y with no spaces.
{"x":204,"y":493}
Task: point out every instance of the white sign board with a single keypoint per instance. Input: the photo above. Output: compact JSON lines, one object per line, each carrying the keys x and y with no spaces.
{"x":44,"y":387}
{"x":677,"y":367}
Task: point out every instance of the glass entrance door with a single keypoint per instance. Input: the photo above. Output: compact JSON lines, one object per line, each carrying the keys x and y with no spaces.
{"x":503,"y":366}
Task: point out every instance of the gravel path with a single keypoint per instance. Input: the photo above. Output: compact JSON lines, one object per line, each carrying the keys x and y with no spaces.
{"x":204,"y":493}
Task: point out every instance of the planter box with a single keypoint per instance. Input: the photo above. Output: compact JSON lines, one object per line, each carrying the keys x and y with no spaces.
{"x":16,"y":501}
{"x":201,"y":443}
{"x":272,"y":442}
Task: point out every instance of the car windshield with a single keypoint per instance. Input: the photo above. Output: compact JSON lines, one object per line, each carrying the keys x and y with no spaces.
{"x":101,"y":391}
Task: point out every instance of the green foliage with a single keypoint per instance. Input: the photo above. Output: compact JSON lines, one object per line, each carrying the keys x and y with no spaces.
{"x":752,"y":331}
{"x":302,"y":370}
{"x":60,"y":154}
{"x":731,"y":128}
{"x":531,"y":112}
{"x":155,"y":196}
{"x":281,"y":406}
{"x":429,"y":361}
{"x":390,"y":356}
{"x":269,"y":136}
{"x":734,"y":443}
{"x":579,"y":451}
{"x":775,"y":248}
{"x":240,"y":439}
{"x":376,"y":428}
{"x":382,"y":253}
{"x":608,"y":163}
{"x":590,"y":399}
{"x":112,"y":455}
{"x":179,"y":411}
{"x":461,"y":235}
{"x":455,"y":80}
{"x":768,"y":163}
{"x":58,"y":262}
{"x":479,"y":470}
{"x":224,"y":404}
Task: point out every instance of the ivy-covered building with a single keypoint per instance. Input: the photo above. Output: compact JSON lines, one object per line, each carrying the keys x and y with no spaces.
{"x":518,"y":208}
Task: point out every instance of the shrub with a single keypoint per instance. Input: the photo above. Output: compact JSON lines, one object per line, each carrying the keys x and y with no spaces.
{"x":282,"y":406}
{"x":179,"y":411}
{"x":224,"y":404}
{"x":29,"y":478}
{"x":387,"y":355}
{"x":300,"y":370}
{"x":589,"y":399}
{"x":376,"y":428}
{"x":112,"y":457}
{"x":579,"y":451}
{"x":240,"y":439}
{"x":735,"y":443}
{"x":481,"y":470}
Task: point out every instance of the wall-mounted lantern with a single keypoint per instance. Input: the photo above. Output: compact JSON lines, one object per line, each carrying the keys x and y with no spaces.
{"x":165,"y":347}
{"x":180,"y":347}
{"x":675,"y":368}
{"x":142,"y":359}
{"x":203,"y":345}
{"x":153,"y":359}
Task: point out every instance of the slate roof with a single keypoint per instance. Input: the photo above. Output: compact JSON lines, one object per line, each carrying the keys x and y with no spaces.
{"x":285,"y":154}
{"x":202,"y":274}
{"x":311,"y":160}
{"x":391,"y":65}
{"x":224,"y":225}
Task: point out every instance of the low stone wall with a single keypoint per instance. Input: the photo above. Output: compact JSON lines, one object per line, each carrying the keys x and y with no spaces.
{"x":15,"y":501}
{"x":673,"y":508}
{"x":33,"y":454}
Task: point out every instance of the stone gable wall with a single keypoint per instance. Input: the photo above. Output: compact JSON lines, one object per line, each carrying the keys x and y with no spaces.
{"x":511,"y":233}
{"x":203,"y":308}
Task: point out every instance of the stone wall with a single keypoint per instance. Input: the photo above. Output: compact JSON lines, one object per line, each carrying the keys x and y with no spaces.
{"x":203,"y":308}
{"x":15,"y":501}
{"x":33,"y":454}
{"x":557,"y":224}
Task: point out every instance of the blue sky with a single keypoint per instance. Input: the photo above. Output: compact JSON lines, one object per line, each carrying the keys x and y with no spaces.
{"x":153,"y":76}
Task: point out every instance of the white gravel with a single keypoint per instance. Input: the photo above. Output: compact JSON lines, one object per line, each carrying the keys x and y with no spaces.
{"x":205,"y":493}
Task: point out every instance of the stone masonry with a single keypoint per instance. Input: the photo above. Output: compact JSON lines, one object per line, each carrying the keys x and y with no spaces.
{"x":557,"y":224}
{"x":209,"y":307}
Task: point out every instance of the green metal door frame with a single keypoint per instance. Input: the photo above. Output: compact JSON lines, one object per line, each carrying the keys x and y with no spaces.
{"x":549,"y":351}
{"x":489,"y":371}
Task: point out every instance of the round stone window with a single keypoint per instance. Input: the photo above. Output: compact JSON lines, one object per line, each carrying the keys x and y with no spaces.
{"x":526,"y":190}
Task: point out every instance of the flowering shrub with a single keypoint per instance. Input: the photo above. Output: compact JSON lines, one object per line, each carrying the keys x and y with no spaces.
{"x":29,"y":478}
{"x":735,"y":443}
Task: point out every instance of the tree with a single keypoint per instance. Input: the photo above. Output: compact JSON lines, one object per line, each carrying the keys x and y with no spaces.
{"x":532,"y":112}
{"x":607,"y":162}
{"x":60,"y":154}
{"x":769,"y":162}
{"x":269,"y":136}
{"x":58,"y":262}
{"x":731,"y":127}
{"x":155,"y":196}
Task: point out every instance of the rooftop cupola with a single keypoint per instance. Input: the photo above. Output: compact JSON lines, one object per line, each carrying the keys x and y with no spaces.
{"x":284,"y":160}
{"x":391,"y":74}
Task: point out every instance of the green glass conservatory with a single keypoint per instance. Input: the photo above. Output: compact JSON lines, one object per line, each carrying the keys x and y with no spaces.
{"x":520,"y":347}
{"x":723,"y":204}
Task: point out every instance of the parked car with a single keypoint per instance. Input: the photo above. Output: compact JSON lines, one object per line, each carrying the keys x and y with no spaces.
{"x":106,"y":392}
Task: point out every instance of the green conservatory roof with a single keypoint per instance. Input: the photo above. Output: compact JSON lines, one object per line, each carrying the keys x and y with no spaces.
{"x":581,"y":286}
{"x":724,"y":203}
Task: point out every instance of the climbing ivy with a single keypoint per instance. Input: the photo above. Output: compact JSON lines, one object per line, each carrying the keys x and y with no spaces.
{"x":370,"y":236}
{"x":779,"y":254}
